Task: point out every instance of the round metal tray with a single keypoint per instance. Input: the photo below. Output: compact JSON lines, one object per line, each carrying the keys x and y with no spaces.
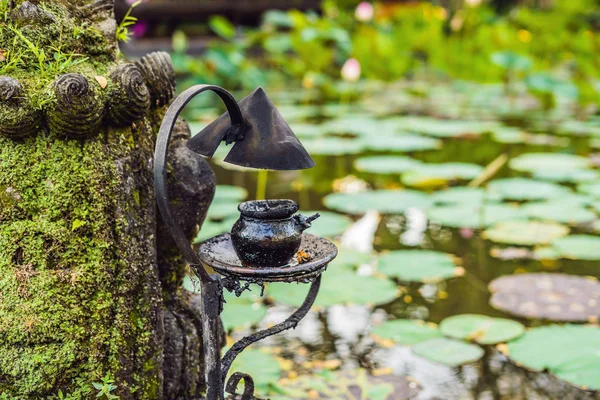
{"x":218,"y":253}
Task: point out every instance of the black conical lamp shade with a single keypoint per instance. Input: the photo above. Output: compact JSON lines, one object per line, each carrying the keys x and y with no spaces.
{"x":268,"y":142}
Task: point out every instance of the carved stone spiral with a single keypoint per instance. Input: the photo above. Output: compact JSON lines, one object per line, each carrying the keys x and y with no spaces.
{"x":128,"y":98}
{"x":157,"y":70}
{"x":18,"y":118}
{"x":78,"y":108}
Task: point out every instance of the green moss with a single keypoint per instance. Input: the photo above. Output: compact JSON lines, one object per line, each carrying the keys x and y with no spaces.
{"x":71,"y":308}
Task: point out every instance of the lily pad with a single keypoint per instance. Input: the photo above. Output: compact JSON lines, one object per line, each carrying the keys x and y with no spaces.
{"x":214,"y":228}
{"x":385,"y":164}
{"x":481,"y":328}
{"x":339,"y":286}
{"x":418,"y":265}
{"x":578,"y":247}
{"x":450,"y":352}
{"x":567,"y":175}
{"x":243,"y":311}
{"x":220,"y":210}
{"x":405,"y":143}
{"x":357,"y":125}
{"x":406,"y":331}
{"x":332,"y":146}
{"x":467,"y":216}
{"x":443,"y":172}
{"x":559,"y":212}
{"x":229,"y":193}
{"x":526,"y":189}
{"x":447,"y":128}
{"x":461,"y":195}
{"x":533,"y":162}
{"x":384,"y":201}
{"x":328,"y":224}
{"x":526,"y":233}
{"x":592,"y":189}
{"x":262,"y":366}
{"x":346,"y":385}
{"x":570,"y":352}
{"x":556,"y":297}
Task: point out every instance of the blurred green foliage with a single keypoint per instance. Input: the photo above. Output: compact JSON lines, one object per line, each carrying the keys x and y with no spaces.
{"x":544,"y":50}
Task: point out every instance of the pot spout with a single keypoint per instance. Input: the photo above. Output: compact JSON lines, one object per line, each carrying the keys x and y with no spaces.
{"x":304,"y":221}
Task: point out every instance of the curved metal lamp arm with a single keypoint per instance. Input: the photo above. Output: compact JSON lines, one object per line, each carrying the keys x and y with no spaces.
{"x":289,"y":323}
{"x":160,"y":163}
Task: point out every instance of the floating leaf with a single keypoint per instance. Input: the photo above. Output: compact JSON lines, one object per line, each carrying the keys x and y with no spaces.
{"x":328,"y":224}
{"x":455,"y":216}
{"x":578,"y":247}
{"x":333,"y":146}
{"x":567,"y":175}
{"x":443,"y":172}
{"x":214,"y":228}
{"x":407,"y":332}
{"x":463,"y":195}
{"x":339,"y":286}
{"x":220,"y":210}
{"x":568,"y":351}
{"x":527,"y":233}
{"x":558,"y":212}
{"x":481,"y":328}
{"x":592,"y":189}
{"x":450,"y":352}
{"x":262,"y":366}
{"x":417,"y":265}
{"x":534,"y":162}
{"x":556,"y":297}
{"x":384,"y":201}
{"x":445,"y":128}
{"x":526,"y":189}
{"x":385,"y":164}
{"x":405,"y":143}
{"x":229,"y":193}
{"x":243,"y":311}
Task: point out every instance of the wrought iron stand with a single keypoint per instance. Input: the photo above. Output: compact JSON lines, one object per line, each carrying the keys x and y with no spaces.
{"x":218,"y":253}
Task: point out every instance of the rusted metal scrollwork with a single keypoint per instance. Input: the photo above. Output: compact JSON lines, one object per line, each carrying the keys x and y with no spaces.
{"x":289,"y":323}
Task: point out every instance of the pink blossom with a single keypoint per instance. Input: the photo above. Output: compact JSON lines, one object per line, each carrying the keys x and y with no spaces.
{"x":466,"y":233}
{"x":364,"y":12}
{"x":351,"y":70}
{"x":140,"y":28}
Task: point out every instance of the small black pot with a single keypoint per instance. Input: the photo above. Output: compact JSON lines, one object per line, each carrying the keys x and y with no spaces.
{"x":268,"y":234}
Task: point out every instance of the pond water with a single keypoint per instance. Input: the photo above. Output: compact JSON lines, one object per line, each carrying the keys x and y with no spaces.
{"x":472,"y":125}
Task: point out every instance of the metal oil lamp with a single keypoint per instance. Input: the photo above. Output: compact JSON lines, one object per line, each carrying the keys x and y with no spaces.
{"x":264,"y":241}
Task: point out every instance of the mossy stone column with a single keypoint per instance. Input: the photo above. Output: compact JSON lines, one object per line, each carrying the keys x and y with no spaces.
{"x":89,"y":282}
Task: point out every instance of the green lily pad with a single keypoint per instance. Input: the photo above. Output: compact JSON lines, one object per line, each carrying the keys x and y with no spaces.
{"x":220,"y":210}
{"x":308,"y":130}
{"x":214,"y":228}
{"x":229,"y":193}
{"x":424,"y":174}
{"x":533,"y":162}
{"x":328,"y":224}
{"x":578,"y":247}
{"x":385,"y":164}
{"x":592,"y":189}
{"x":559,"y":212}
{"x":418,"y":265}
{"x":353,"y":124}
{"x":406,"y":331}
{"x":405,"y":143}
{"x":570,"y":352}
{"x":346,"y":385}
{"x":526,"y":233}
{"x":332,"y":146}
{"x":243,"y":311}
{"x":526,"y":189}
{"x":579,"y":128}
{"x":298,"y":113}
{"x":567,"y":175}
{"x":262,"y":366}
{"x":384,"y":201}
{"x":450,"y":352}
{"x":461,"y":195}
{"x":339,"y":286}
{"x":447,"y":128}
{"x":472,"y":216}
{"x":481,"y":328}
